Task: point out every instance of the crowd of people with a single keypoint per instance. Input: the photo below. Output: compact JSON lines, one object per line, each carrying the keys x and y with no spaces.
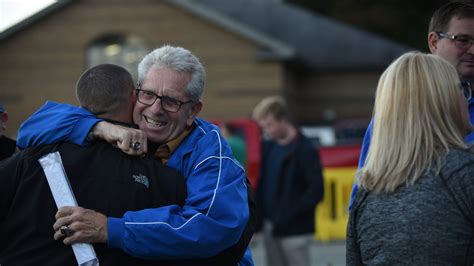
{"x":156,"y":184}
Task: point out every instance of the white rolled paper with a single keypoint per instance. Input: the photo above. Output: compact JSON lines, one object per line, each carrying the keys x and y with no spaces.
{"x":63,"y":196}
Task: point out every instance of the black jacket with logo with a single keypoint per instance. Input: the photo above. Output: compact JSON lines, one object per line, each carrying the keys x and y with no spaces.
{"x":103,"y":179}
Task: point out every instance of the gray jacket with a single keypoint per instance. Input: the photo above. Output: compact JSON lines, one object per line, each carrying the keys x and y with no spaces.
{"x":429,"y":223}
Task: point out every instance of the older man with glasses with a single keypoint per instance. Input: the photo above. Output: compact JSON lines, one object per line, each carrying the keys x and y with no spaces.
{"x":216,"y":223}
{"x":450,"y":36}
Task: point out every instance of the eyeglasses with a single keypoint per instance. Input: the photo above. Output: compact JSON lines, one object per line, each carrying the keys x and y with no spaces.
{"x":168,"y":104}
{"x":461,"y":41}
{"x":465,"y":86}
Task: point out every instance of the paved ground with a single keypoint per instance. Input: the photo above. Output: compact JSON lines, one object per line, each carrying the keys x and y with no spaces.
{"x":322,"y":254}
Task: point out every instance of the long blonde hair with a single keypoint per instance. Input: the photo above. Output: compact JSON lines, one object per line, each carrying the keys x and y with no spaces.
{"x":417,"y":118}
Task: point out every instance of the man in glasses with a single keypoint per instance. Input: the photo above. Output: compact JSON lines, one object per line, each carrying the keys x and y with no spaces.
{"x":450,"y":36}
{"x":214,"y":223}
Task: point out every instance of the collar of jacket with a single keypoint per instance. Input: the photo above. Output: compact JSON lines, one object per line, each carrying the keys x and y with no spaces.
{"x":120,"y":123}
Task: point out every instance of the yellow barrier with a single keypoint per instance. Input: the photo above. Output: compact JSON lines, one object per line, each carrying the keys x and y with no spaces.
{"x":332,"y":212}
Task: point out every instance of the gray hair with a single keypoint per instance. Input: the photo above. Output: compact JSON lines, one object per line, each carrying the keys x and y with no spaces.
{"x":177,"y":59}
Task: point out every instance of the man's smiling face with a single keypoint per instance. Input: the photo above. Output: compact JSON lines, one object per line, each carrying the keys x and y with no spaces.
{"x":159,"y":125}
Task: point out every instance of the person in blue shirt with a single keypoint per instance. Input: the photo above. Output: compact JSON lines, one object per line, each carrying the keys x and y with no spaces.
{"x":450,"y":36}
{"x":214,"y":220}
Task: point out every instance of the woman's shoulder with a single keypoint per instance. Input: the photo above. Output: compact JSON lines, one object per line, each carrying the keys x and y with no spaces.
{"x":462,"y":155}
{"x":458,"y":161}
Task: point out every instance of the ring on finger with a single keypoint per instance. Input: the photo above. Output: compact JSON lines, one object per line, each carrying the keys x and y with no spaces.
{"x":66,"y":231}
{"x":135,"y":145}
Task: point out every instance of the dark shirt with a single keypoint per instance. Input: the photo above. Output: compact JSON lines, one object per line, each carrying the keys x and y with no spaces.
{"x":7,"y":147}
{"x":276,"y":157}
{"x":291,"y":184}
{"x":103,"y":179}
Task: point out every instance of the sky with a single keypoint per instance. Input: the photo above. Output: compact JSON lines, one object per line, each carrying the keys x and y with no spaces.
{"x":14,"y":11}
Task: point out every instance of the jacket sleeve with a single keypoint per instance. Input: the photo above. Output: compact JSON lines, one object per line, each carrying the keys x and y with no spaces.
{"x":363,"y":156}
{"x":259,"y":192}
{"x":213,"y":218}
{"x":353,"y":256}
{"x":9,"y":180}
{"x":55,"y":122}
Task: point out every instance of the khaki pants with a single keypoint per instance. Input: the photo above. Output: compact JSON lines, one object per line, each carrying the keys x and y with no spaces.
{"x":286,"y":251}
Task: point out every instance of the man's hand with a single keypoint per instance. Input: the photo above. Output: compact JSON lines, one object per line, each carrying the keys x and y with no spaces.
{"x":87,"y":226}
{"x":129,"y":140}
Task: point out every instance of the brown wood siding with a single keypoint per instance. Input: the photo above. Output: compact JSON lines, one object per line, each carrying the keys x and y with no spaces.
{"x":44,"y":61}
{"x":349,"y":94}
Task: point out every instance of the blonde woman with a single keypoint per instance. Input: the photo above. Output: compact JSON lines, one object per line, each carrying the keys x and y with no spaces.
{"x":416,"y":203}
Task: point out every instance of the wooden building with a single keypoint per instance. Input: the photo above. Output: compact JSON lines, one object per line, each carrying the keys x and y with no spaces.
{"x":250,"y":49}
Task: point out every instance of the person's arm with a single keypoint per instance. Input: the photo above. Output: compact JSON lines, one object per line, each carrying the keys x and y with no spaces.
{"x":461,"y":188}
{"x":470,"y":137}
{"x":55,"y":122}
{"x":9,"y":182}
{"x":213,"y":218}
{"x":353,"y":256}
{"x":363,"y":156}
{"x":94,"y":230}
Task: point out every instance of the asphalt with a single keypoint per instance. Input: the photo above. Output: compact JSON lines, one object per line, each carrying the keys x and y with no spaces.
{"x":332,"y":253}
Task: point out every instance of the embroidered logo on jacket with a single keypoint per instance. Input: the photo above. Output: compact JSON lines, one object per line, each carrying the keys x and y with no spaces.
{"x":141,"y":179}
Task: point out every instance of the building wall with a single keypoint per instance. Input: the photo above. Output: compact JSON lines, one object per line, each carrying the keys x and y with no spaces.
{"x":328,"y":96}
{"x":44,"y":61}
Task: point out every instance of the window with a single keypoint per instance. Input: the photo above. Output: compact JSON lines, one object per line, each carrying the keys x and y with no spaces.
{"x":123,"y":50}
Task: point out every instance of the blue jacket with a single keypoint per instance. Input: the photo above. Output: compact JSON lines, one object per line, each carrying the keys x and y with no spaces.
{"x":366,"y":144}
{"x":215,"y":212}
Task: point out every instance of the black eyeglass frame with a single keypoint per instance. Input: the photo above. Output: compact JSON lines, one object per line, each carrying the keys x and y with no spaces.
{"x":164,"y":100}
{"x":457,"y":39}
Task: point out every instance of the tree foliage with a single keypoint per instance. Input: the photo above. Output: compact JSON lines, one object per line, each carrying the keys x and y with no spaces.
{"x":405,"y":21}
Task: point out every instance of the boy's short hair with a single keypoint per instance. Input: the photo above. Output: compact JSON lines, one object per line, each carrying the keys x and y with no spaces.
{"x":273,"y":105}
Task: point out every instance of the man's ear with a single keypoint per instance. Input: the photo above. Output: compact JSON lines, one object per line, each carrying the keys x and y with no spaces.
{"x":433,"y":39}
{"x":133,"y":97}
{"x":194,"y":112}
